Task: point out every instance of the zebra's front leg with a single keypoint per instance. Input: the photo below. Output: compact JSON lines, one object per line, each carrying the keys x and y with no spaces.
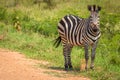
{"x":93,"y":55}
{"x":86,"y":56}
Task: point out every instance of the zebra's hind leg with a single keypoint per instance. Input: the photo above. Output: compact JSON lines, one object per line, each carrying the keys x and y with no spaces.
{"x":67,"y":58}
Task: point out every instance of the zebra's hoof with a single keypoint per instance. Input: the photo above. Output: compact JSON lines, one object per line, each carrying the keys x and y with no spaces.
{"x":92,"y":67}
{"x":70,"y":67}
{"x":66,"y":67}
{"x":86,"y":68}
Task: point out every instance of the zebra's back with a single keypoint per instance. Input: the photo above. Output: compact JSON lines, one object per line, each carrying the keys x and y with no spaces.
{"x":69,"y":28}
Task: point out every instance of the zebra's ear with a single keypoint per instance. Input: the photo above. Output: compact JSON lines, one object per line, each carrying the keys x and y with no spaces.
{"x":99,"y":8}
{"x":89,"y":7}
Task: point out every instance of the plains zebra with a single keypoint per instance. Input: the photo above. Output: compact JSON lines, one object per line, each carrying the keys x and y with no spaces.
{"x":75,"y":31}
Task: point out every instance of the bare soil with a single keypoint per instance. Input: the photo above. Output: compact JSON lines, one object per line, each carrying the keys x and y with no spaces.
{"x":15,"y":66}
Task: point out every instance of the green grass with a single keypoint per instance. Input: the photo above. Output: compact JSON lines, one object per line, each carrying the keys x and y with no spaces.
{"x":39,"y":29}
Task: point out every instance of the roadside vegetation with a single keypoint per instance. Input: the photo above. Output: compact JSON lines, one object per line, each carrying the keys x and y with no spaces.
{"x":30,"y":27}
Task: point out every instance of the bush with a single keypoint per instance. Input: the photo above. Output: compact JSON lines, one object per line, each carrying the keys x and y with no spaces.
{"x":2,"y":13}
{"x":29,"y":25}
{"x":114,"y":59}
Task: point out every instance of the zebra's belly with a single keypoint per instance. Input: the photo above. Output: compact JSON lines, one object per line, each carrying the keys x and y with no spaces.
{"x":75,"y":42}
{"x":82,"y":42}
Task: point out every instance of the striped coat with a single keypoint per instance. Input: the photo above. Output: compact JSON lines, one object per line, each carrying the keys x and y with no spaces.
{"x":77,"y":31}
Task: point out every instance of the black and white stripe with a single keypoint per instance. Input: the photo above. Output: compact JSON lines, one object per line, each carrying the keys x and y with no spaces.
{"x":75,"y":31}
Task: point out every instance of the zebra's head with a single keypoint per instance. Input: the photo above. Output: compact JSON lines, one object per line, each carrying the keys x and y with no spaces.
{"x":94,"y":17}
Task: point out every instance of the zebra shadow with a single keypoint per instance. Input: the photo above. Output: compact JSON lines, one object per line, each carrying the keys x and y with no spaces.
{"x":56,"y":68}
{"x":63,"y":69}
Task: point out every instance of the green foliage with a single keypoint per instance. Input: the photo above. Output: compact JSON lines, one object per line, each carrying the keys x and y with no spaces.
{"x":114,"y":59}
{"x":103,"y":75}
{"x":16,"y":16}
{"x":109,"y":23}
{"x":30,"y":25}
{"x":2,"y":13}
{"x":2,"y":27}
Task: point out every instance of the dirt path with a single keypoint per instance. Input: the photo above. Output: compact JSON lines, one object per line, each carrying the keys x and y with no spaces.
{"x":14,"y":66}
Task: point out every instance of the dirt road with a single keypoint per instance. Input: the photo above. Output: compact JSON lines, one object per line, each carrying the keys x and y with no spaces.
{"x":14,"y":66}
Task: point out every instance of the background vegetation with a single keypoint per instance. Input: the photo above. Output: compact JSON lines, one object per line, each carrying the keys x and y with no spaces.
{"x":30,"y":26}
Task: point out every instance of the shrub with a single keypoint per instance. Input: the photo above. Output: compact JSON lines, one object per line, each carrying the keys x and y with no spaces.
{"x":2,"y":13}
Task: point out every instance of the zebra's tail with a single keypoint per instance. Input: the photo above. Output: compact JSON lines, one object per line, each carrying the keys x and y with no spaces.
{"x":57,"y":42}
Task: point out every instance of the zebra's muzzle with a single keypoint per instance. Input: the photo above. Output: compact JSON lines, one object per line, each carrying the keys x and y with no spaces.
{"x":95,"y":29}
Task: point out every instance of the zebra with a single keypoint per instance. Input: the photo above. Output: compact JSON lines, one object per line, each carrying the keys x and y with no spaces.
{"x":76,"y":31}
